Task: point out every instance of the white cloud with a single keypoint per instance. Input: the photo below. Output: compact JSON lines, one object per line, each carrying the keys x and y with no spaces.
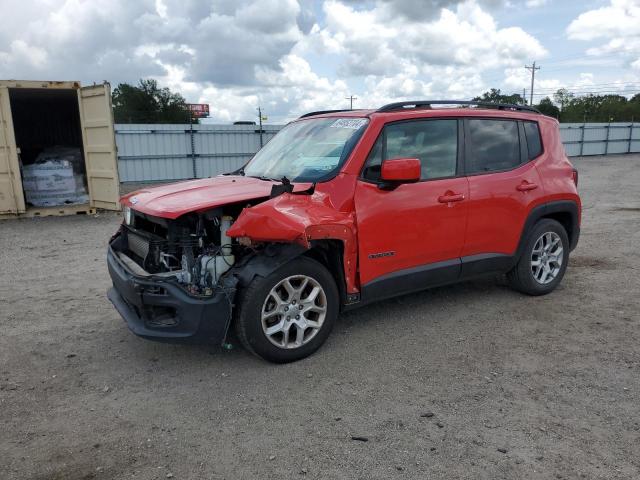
{"x":617,"y":24}
{"x":235,"y":54}
{"x":375,"y":45}
{"x":443,"y":56}
{"x":536,"y":3}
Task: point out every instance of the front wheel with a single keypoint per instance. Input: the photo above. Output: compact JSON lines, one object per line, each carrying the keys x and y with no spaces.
{"x":289,"y":314}
{"x":544,"y":260}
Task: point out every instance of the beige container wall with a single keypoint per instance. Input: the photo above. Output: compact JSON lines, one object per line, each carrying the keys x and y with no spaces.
{"x":11,"y":199}
{"x":99,"y":149}
{"x":100,"y":153}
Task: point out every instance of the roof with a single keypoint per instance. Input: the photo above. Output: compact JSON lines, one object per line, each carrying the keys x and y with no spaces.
{"x":425,"y":108}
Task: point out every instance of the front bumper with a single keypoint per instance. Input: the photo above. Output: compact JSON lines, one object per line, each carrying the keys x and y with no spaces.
{"x":161,"y":310}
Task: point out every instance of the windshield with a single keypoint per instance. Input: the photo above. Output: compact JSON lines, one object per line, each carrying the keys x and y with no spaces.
{"x":307,"y":150}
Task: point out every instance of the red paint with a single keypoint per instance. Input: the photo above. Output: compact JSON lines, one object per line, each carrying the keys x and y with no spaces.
{"x":410,"y":222}
{"x":300,"y":219}
{"x":176,"y":199}
{"x":401,"y":170}
{"x":411,"y":225}
{"x":498,"y":209}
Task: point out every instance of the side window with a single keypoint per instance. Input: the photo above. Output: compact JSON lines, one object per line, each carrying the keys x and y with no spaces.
{"x":493,"y":145}
{"x":434,"y":142}
{"x":534,"y":145}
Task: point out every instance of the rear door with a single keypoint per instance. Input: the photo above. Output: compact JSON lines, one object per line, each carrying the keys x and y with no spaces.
{"x":411,"y":237}
{"x":100,"y":151}
{"x":503,"y":187}
{"x":11,"y":198}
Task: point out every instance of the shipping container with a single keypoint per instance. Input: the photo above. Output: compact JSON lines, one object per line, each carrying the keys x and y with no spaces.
{"x":42,"y":116}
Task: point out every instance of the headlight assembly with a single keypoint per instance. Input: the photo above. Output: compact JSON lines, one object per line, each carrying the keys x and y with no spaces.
{"x":128,"y":215}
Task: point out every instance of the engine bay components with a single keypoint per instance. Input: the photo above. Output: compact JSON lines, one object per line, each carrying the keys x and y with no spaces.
{"x":194,"y":251}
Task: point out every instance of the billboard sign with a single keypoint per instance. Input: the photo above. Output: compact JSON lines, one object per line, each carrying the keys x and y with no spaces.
{"x":198,"y":110}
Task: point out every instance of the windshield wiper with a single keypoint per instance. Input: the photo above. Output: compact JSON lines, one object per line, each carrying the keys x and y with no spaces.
{"x":287,"y":187}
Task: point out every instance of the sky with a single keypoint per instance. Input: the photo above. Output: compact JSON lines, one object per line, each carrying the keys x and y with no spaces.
{"x":295,"y":56}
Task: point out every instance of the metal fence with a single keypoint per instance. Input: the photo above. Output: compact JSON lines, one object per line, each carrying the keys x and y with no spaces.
{"x":148,"y":153}
{"x":157,"y":152}
{"x":600,"y":138}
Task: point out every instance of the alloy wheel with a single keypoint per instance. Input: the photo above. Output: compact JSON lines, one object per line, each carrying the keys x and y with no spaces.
{"x":547,"y":257}
{"x":294,"y":311}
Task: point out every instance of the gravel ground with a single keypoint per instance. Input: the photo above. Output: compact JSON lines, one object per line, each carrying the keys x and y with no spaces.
{"x":469,"y":381}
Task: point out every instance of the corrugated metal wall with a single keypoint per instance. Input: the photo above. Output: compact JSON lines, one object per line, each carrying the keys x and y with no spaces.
{"x":174,"y":152}
{"x":149,"y":153}
{"x":600,"y":138}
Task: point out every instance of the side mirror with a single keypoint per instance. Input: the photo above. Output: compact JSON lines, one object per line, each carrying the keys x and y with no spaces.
{"x":397,"y":171}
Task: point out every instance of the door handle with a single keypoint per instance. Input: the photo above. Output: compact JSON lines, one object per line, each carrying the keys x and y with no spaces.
{"x":526,"y":186}
{"x":450,"y":196}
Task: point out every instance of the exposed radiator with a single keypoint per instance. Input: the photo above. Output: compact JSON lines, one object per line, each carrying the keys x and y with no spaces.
{"x":138,"y":245}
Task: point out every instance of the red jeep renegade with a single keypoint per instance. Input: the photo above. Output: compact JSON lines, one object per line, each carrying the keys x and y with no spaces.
{"x":343,"y":208}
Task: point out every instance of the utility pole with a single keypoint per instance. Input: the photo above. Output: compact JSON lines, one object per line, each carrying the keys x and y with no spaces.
{"x":351,"y":98}
{"x":260,"y":123}
{"x":532,"y":69}
{"x":524,"y":96}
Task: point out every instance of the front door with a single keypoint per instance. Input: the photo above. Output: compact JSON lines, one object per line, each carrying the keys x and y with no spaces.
{"x":411,"y":237}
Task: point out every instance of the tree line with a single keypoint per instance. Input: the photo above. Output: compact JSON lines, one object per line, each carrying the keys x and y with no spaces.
{"x":148,"y":103}
{"x":570,"y":108}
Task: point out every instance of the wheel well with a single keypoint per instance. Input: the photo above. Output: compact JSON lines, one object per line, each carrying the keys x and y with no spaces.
{"x":330,"y":254}
{"x":566,"y":220}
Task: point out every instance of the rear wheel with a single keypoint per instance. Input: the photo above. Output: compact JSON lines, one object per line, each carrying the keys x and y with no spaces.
{"x":289,"y":314}
{"x":544,"y":260}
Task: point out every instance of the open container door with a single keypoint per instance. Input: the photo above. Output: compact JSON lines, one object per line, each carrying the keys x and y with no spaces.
{"x":11,"y":198}
{"x":100,"y":154}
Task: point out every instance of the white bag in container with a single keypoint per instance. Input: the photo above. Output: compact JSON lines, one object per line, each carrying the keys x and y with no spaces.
{"x":52,"y":183}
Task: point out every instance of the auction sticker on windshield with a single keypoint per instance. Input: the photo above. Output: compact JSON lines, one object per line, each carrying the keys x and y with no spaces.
{"x":352,"y":123}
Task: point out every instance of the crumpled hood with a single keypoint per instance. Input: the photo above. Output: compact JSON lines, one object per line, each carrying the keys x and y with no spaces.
{"x":176,"y":199}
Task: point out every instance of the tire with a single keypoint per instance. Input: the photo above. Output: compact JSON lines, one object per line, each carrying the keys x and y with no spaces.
{"x":289,"y":314}
{"x":530,"y":275}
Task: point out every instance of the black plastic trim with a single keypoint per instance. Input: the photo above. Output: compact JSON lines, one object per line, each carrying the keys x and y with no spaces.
{"x":196,"y":320}
{"x":266,"y":261}
{"x":546,"y":209}
{"x":427,"y":103}
{"x":411,"y":280}
{"x":486,"y":263}
{"x":323,"y":112}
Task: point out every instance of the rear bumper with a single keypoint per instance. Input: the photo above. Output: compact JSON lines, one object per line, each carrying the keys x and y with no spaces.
{"x":160,"y":310}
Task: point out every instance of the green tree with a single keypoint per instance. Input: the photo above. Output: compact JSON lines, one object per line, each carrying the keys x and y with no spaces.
{"x":148,"y":103}
{"x":563,"y":97}
{"x":547,"y":107}
{"x":495,"y":96}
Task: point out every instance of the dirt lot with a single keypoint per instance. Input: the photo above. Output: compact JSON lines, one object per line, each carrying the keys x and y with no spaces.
{"x":518,"y":387}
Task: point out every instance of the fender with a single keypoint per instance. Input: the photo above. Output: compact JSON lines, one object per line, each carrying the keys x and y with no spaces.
{"x":548,"y":209}
{"x":300,"y":219}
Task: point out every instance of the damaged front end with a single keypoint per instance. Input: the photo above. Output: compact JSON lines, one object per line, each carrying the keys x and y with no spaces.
{"x":170,"y":277}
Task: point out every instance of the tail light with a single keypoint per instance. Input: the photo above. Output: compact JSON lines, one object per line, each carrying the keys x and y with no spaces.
{"x":574,"y":176}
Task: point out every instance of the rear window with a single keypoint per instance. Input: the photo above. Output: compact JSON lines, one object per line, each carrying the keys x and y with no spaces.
{"x":534,"y":145}
{"x":493,"y":145}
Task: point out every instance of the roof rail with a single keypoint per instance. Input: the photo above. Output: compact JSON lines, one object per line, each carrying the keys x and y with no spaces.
{"x":320,"y":112}
{"x":427,"y":103}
